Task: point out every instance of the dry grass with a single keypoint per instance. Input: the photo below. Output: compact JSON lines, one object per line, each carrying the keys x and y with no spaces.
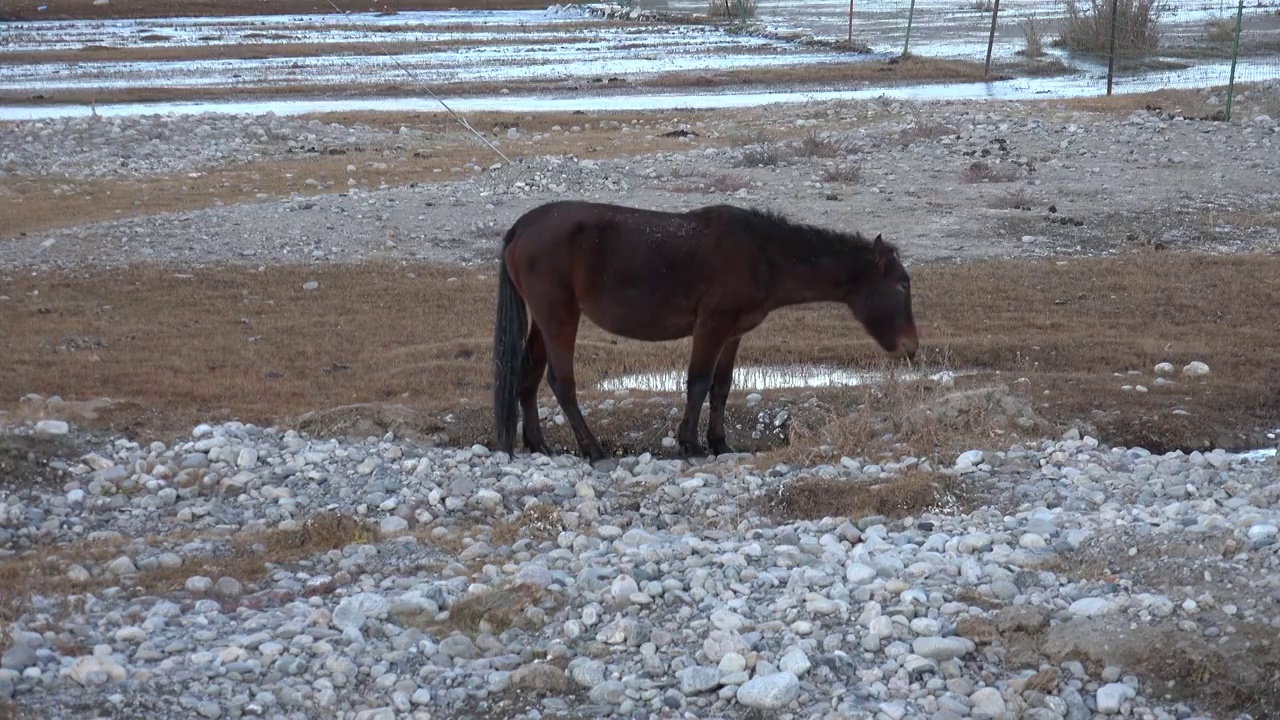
{"x":77,"y":9}
{"x":1033,"y":37}
{"x":1019,"y":199}
{"x":815,"y":144}
{"x":814,"y":498}
{"x":180,"y":348}
{"x":1221,"y":30}
{"x":494,"y":609}
{"x":841,"y":174}
{"x":983,"y":172}
{"x":262,"y":51}
{"x":731,"y":9}
{"x":1088,"y":29}
{"x":248,"y":558}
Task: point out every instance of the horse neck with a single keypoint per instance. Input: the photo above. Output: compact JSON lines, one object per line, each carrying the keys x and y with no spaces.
{"x":823,"y":278}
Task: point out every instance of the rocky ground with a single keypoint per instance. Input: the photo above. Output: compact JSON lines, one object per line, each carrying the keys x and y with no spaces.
{"x":947,"y":181}
{"x":265,"y":572}
{"x":253,"y":572}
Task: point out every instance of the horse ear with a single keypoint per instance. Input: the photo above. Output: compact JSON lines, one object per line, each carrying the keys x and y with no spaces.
{"x":883,"y":254}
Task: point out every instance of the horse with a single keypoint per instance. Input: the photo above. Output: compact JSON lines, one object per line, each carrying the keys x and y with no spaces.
{"x":714,"y":272}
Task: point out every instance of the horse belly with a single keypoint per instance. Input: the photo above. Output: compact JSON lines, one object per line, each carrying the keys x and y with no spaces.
{"x":641,"y":320}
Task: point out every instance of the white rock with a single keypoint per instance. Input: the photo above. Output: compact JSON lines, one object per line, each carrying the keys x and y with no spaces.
{"x":969,"y":459}
{"x":52,"y":427}
{"x":795,"y":661}
{"x":353,"y":612}
{"x":1112,"y":695}
{"x":1261,"y":532}
{"x":859,"y":574}
{"x":1164,"y":368}
{"x":392,"y":524}
{"x":1091,"y":607}
{"x":988,"y":702}
{"x":941,"y":649}
{"x":1195,"y":369}
{"x":769,"y":692}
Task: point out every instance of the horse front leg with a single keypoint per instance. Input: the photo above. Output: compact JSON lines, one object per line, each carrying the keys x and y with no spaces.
{"x":708,"y":340}
{"x":721,"y":382}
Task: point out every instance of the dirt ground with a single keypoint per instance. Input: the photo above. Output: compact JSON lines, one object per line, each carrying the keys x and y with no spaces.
{"x":179,"y":349}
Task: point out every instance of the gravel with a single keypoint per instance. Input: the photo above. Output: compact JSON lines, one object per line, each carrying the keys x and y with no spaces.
{"x":663,"y":587}
{"x":1064,"y":181}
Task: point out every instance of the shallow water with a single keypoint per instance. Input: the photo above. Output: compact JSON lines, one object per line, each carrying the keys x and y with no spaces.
{"x":1084,"y":85}
{"x":766,"y":377}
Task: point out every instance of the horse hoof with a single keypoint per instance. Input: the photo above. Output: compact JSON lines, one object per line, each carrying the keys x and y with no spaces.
{"x":604,"y":465}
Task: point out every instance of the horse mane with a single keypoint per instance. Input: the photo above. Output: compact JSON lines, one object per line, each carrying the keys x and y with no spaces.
{"x":789,"y":241}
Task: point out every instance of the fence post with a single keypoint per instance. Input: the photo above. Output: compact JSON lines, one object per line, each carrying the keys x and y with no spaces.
{"x":991,"y":39}
{"x":1235,"y":53}
{"x":742,"y":13}
{"x":850,"y":24}
{"x":1111,"y":54}
{"x":911,"y":14}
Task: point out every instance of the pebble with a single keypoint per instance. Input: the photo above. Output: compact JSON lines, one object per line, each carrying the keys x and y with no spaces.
{"x":769,"y":692}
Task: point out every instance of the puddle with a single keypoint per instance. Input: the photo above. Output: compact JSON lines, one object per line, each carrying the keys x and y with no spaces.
{"x":1084,"y":85}
{"x":771,"y":377}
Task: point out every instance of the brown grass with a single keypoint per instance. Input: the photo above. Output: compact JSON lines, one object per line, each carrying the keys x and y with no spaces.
{"x":494,"y":609}
{"x":814,"y":498}
{"x":77,"y":9}
{"x":179,"y":346}
{"x":248,"y":559}
{"x":260,"y":51}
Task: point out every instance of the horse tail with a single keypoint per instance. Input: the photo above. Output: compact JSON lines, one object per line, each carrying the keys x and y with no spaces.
{"x":508,"y":354}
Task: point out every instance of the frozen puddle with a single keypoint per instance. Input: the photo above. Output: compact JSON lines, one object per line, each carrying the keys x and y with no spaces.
{"x":771,"y":377}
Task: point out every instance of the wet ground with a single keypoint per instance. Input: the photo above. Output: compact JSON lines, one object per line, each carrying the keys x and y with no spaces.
{"x":504,"y":60}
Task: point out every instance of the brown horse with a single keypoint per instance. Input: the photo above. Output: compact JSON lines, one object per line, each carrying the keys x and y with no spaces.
{"x":714,"y":273}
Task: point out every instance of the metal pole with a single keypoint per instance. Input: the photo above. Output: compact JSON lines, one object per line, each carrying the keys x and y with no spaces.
{"x":850,"y":24}
{"x":910,"y":15}
{"x":991,"y":40}
{"x":1235,"y":53}
{"x":1111,"y":54}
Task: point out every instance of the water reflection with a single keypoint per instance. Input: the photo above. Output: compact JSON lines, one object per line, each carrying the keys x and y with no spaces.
{"x":772,"y":377}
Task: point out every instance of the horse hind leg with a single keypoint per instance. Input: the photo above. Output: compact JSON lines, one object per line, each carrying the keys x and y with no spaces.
{"x":535,"y":353}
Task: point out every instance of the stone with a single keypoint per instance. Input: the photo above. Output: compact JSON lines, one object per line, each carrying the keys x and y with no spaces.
{"x":1195,"y":369}
{"x":769,"y":692}
{"x":1112,"y":695}
{"x":988,"y":702}
{"x":52,"y":427}
{"x":698,"y":678}
{"x":939,"y":648}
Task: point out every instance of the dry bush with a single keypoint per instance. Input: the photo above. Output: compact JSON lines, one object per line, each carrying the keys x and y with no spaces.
{"x":1088,"y":29}
{"x":923,"y":130}
{"x":1019,"y":199}
{"x":816,"y":145}
{"x":984,"y":172}
{"x":731,"y":9}
{"x":841,"y":174}
{"x":1221,"y":30}
{"x":766,"y":155}
{"x":1034,"y":38}
{"x":493,"y":609}
{"x":814,"y":498}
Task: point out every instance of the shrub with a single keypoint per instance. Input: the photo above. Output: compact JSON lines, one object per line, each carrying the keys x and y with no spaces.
{"x":729,"y":8}
{"x":1088,"y":28}
{"x":1034,"y":38}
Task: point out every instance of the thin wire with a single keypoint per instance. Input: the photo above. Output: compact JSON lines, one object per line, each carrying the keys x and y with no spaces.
{"x":461,"y":120}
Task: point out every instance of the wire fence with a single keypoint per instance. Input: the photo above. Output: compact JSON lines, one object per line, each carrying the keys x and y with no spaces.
{"x":1109,"y":46}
